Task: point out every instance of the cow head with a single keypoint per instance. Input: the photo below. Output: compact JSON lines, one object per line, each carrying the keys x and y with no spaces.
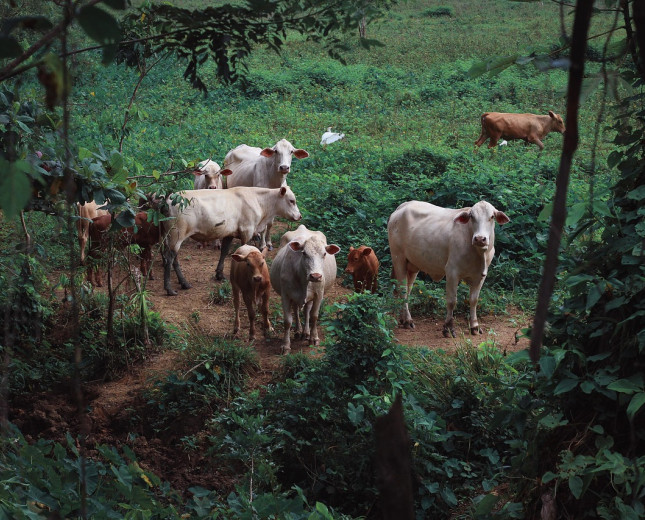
{"x":482,"y":217}
{"x":312,"y":253}
{"x":287,"y":207}
{"x":557,"y":125}
{"x":208,"y":175}
{"x":282,"y":154}
{"x":255,"y":261}
{"x":356,"y":257}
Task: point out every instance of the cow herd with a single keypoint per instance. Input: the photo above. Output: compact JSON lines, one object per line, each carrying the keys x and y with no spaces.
{"x":457,"y":244}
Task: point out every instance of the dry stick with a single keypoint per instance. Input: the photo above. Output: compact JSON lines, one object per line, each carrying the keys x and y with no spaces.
{"x":126,"y":117}
{"x":576,"y":72}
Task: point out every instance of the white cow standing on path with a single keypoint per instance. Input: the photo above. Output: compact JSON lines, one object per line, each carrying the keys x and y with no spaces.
{"x":225,"y":214}
{"x":301,"y":272}
{"x":456,"y":243}
{"x":265,"y":168}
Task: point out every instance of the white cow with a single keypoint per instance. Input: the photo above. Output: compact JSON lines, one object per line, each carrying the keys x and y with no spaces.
{"x":225,"y":214}
{"x":208,"y":175}
{"x":456,"y":243}
{"x":86,"y":212}
{"x":301,"y":272}
{"x":266,"y":168}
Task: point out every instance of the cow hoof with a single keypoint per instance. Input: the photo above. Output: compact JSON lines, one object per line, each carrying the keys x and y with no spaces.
{"x":286,"y":350}
{"x":171,"y":292}
{"x":270,"y":247}
{"x":408,"y":325}
{"x":219,"y":276}
{"x":185,"y":286}
{"x":448,"y":333}
{"x":476,"y":330}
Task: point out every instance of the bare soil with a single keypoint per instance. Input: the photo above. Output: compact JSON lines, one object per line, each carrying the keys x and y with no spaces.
{"x":112,"y":405}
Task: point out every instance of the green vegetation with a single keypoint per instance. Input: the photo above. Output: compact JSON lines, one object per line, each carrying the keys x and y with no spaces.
{"x":491,"y":436}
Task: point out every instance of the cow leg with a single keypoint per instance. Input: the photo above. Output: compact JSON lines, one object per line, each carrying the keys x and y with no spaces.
{"x":313,"y":318}
{"x":536,"y":140}
{"x":400,"y":273}
{"x":451,"y":301}
{"x":146,"y":262}
{"x":482,"y":137}
{"x":264,"y":309}
{"x":266,"y":237}
{"x":298,"y":329}
{"x":250,"y":309}
{"x":288,"y":319}
{"x":168,"y":260}
{"x":236,"y":306}
{"x":474,"y":297}
{"x":306,"y":327}
{"x":226,"y":246}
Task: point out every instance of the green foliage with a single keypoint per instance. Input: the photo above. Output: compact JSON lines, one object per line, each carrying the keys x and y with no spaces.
{"x":440,"y":10}
{"x":220,"y":294}
{"x":43,"y":480}
{"x":216,"y":373}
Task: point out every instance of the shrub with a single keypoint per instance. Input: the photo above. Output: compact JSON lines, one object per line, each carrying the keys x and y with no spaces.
{"x":439,"y":11}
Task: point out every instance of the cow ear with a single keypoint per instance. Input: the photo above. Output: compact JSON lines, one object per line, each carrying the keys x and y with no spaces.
{"x":552,"y":114}
{"x":226,"y":172}
{"x":463,"y":217}
{"x":501,"y":217}
{"x":267,"y":152}
{"x":197,"y":173}
{"x":295,"y":245}
{"x":367,"y":251}
{"x":237,"y":257}
{"x":300,"y":154}
{"x":283,"y":190}
{"x":332,"y":249}
{"x":351,"y":248}
{"x":265,"y":252}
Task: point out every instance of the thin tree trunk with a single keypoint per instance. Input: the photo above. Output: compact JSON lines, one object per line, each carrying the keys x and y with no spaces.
{"x":576,"y":72}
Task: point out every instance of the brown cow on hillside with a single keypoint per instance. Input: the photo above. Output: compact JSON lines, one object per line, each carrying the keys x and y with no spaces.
{"x":250,"y":276}
{"x":146,"y":236}
{"x":529,"y":127}
{"x":363,"y":265}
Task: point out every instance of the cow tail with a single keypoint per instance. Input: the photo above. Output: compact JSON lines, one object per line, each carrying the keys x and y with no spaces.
{"x":484,"y":117}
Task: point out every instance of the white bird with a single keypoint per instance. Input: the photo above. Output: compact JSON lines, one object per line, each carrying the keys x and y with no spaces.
{"x":502,"y":143}
{"x":329,"y":137}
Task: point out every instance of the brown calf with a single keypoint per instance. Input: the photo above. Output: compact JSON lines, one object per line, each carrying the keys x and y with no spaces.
{"x":250,"y":276}
{"x":146,"y":236}
{"x":363,"y":265}
{"x":529,"y":127}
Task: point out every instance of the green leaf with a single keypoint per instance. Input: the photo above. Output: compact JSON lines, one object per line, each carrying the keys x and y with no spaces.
{"x":576,"y":212}
{"x":15,"y":188}
{"x":548,"y":477}
{"x":625,"y":386}
{"x":637,"y":194}
{"x":546,"y":212}
{"x":564,"y":386}
{"x":99,"y":25}
{"x":635,"y":405}
{"x":486,"y":505}
{"x":575,"y":485}
{"x":355,"y":413}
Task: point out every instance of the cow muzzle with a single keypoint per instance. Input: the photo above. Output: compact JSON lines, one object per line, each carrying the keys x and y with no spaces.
{"x":284,"y":168}
{"x":315,"y":277}
{"x":480,"y":241}
{"x":257,"y":278}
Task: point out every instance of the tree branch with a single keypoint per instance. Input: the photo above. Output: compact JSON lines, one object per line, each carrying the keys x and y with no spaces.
{"x":581,"y":23}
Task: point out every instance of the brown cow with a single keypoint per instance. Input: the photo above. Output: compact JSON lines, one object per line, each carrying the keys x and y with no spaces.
{"x":363,"y":265}
{"x":146,"y":236}
{"x":529,"y":127}
{"x":86,"y":212}
{"x":250,"y":276}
